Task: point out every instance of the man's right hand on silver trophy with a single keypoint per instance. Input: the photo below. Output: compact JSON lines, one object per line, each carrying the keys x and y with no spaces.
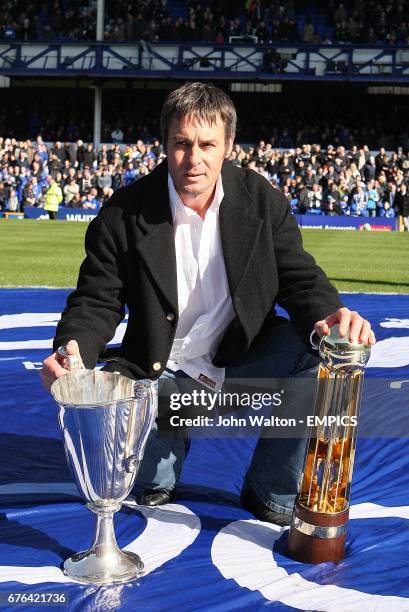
{"x":60,"y":362}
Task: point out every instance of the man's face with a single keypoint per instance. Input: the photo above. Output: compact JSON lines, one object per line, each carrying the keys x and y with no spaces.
{"x":196,"y":152}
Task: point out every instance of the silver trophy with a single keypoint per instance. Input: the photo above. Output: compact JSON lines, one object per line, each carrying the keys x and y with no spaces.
{"x":105,"y":419}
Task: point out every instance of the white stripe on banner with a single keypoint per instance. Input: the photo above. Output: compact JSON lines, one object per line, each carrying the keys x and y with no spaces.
{"x":388,"y":353}
{"x":32,"y":575}
{"x":242,"y":551}
{"x":169,"y":531}
{"x":39,"y":319}
{"x":374,"y":511}
{"x":24,"y":345}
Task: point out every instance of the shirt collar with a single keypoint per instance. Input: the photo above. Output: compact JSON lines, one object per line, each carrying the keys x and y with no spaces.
{"x":177,"y":206}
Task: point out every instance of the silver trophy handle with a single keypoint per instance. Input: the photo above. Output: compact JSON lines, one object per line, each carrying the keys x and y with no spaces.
{"x":148,"y":389}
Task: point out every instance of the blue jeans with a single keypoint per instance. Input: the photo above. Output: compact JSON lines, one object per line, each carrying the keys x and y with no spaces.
{"x":277,"y":463}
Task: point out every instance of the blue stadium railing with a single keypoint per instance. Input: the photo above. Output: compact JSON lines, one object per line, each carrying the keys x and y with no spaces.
{"x":250,"y":62}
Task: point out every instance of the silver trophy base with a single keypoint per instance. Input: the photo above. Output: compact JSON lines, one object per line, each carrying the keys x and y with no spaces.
{"x":112,"y":567}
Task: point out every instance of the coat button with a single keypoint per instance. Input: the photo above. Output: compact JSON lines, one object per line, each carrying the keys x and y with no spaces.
{"x":156,"y":366}
{"x":170,"y":316}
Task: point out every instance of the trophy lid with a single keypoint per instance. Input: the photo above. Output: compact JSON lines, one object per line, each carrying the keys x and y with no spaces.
{"x":338,"y":353}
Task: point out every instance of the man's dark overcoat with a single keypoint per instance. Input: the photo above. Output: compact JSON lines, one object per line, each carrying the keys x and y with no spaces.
{"x":130,"y":261}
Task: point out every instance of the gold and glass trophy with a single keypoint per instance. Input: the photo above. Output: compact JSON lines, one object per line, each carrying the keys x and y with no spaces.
{"x":318,"y":530}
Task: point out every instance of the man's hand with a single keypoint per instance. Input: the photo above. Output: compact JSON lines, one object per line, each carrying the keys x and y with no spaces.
{"x":359,"y":328}
{"x":56,"y":365}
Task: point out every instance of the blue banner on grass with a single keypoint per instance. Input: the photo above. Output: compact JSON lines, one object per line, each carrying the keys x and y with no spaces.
{"x":64,"y":214}
{"x":204,"y":552}
{"x":346,"y":223}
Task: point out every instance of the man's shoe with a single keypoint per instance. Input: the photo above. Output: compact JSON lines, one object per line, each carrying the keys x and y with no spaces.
{"x":250,"y":502}
{"x":156,"y":497}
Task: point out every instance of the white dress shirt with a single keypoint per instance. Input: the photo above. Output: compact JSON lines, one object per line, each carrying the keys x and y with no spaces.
{"x":205,"y":306}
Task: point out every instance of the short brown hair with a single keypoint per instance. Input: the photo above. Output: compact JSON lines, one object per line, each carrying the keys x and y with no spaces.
{"x":201,"y":101}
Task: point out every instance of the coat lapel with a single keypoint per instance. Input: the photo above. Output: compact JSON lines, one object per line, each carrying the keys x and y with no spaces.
{"x":239,"y":226}
{"x":157,"y":247}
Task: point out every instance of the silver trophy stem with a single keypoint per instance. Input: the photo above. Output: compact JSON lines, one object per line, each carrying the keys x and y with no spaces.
{"x":104,"y":562}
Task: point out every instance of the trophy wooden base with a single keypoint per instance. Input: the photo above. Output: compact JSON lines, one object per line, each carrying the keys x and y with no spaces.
{"x":323,"y":543}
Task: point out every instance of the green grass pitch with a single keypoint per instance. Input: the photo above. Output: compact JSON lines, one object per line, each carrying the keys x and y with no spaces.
{"x":48,"y":254}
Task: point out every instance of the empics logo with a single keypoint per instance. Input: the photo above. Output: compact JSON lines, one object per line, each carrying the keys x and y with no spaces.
{"x":327,"y":421}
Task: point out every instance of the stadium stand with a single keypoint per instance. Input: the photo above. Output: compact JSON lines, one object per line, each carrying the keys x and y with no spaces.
{"x":349,"y":21}
{"x":347,"y":115}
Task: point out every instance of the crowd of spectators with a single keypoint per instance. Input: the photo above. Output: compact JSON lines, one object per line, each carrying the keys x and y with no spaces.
{"x":333,"y":181}
{"x":349,"y":21}
{"x":324,"y":114}
{"x":315,"y":180}
{"x":87,"y":178}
